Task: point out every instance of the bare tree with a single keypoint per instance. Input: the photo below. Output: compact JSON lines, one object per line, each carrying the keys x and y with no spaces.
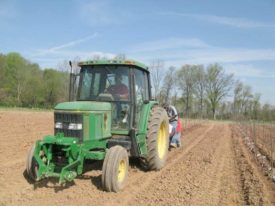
{"x":168,"y":84}
{"x":256,"y":106}
{"x":120,"y":56}
{"x":246,"y":100}
{"x":237,"y":98}
{"x":66,"y":68}
{"x":218,"y":86}
{"x":186,"y":83}
{"x":96,"y":57}
{"x":156,"y":69}
{"x":200,"y":87}
{"x":267,"y":112}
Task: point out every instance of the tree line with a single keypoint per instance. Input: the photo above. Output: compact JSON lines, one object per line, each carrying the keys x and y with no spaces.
{"x":208,"y":92}
{"x":197,"y":91}
{"x":25,"y":84}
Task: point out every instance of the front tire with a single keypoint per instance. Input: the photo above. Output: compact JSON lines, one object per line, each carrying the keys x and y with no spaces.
{"x":32,"y":165}
{"x":157,"y":139}
{"x":115,"y":169}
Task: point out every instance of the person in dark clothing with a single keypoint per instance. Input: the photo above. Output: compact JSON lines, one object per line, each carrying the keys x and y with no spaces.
{"x":119,"y":90}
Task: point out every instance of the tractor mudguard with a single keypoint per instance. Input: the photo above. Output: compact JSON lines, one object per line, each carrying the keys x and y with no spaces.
{"x":142,"y":129}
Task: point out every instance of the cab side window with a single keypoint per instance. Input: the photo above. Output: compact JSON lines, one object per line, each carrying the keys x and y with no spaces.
{"x":141,"y":91}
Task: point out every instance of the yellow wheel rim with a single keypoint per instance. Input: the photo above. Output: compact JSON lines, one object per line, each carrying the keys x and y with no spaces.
{"x":121,"y":170}
{"x":162,"y":140}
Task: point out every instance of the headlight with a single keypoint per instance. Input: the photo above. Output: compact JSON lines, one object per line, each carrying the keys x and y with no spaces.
{"x":74,"y":126}
{"x":58,"y":125}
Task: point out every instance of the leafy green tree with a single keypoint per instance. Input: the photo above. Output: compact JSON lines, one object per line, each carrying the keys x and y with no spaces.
{"x":16,"y":75}
{"x":23,"y":83}
{"x":32,"y":95}
{"x":3,"y":82}
{"x":186,"y":82}
{"x":53,"y":86}
{"x":218,"y":86}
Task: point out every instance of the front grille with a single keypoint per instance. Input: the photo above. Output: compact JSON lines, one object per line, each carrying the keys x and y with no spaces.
{"x":66,"y":119}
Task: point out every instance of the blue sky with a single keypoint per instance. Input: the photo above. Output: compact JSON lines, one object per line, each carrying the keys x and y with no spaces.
{"x":240,"y":35}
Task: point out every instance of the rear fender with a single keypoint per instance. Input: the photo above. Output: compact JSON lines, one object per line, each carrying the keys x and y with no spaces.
{"x":142,"y":127}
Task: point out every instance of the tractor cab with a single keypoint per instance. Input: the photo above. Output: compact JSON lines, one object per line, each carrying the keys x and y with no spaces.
{"x":124,"y":84}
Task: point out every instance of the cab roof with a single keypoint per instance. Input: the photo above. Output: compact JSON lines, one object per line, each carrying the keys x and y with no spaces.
{"x":114,"y":62}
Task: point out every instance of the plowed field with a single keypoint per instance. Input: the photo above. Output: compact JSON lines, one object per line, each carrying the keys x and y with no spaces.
{"x":213,"y":167}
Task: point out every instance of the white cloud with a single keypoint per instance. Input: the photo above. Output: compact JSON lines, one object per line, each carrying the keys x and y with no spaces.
{"x":229,"y":21}
{"x":170,"y":43}
{"x":43,"y":52}
{"x":208,"y":55}
{"x":55,"y":57}
{"x":239,"y":61}
{"x":72,"y":43}
{"x":246,"y":70}
{"x":227,"y":55}
{"x":179,"y":51}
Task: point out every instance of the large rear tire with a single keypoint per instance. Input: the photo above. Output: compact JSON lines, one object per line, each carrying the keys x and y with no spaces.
{"x":32,"y":165}
{"x":115,"y":169}
{"x":157,"y":139}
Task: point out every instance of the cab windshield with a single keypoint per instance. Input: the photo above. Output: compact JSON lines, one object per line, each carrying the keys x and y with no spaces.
{"x":104,"y":83}
{"x":107,"y":84}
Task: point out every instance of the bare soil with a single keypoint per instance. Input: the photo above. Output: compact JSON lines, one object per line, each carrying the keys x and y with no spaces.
{"x":213,"y":167}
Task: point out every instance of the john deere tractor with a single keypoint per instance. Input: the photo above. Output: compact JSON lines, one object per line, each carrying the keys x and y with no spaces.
{"x":112,"y":118}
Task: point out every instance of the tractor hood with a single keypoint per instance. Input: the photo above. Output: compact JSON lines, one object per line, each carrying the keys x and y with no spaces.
{"x":84,"y":106}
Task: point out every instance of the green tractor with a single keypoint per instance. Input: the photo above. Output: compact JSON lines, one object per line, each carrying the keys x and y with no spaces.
{"x":113,"y":118}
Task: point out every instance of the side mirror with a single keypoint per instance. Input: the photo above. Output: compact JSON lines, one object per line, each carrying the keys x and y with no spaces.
{"x":70,"y":63}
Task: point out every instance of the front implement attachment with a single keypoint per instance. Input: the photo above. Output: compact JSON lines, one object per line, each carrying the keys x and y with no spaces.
{"x":61,"y":157}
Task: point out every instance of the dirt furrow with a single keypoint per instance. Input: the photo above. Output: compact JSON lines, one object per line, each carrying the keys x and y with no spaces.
{"x":256,"y":189}
{"x":150,"y":178}
{"x":196,"y":178}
